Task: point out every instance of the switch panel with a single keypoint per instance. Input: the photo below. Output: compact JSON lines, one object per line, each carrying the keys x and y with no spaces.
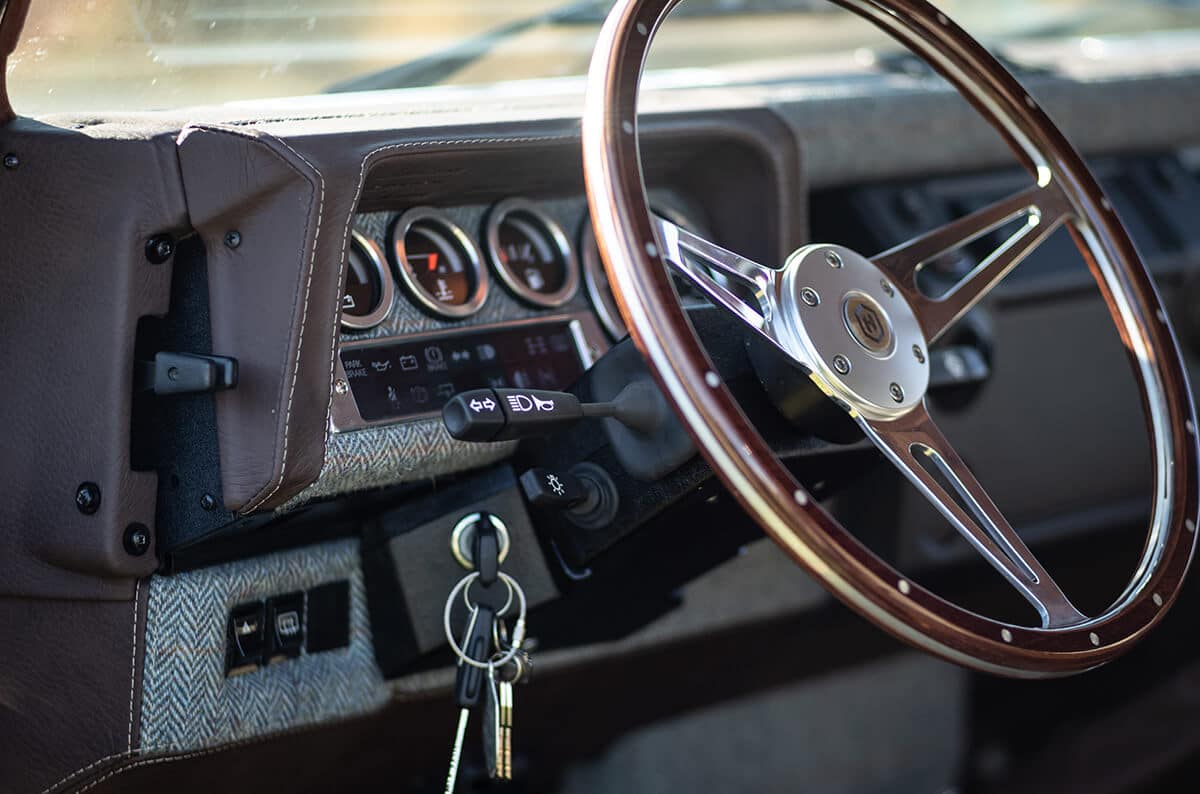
{"x":287,"y":626}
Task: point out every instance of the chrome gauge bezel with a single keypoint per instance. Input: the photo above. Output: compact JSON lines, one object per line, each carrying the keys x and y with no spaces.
{"x":457,"y":236}
{"x":594,"y":275}
{"x":557,"y":237}
{"x":387,"y":285}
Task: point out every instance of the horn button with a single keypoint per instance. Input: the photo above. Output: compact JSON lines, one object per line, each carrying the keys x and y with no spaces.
{"x":860,"y":334}
{"x":868,"y":323}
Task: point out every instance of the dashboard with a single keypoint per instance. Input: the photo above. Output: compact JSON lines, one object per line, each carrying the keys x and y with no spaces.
{"x":457,"y":282}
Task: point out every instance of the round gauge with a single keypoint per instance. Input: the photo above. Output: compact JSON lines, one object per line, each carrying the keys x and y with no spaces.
{"x":596,"y":280}
{"x":438,"y":263}
{"x":367,"y":298}
{"x":531,"y":253}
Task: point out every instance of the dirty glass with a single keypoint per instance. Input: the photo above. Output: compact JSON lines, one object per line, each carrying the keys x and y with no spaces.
{"x":83,"y":55}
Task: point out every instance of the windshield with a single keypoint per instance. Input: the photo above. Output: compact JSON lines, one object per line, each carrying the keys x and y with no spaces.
{"x":91,"y":55}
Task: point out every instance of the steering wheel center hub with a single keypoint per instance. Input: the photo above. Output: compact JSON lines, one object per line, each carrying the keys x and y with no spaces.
{"x":844,"y":316}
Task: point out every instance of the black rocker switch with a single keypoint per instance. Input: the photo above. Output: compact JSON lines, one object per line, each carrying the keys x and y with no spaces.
{"x":245,"y":638}
{"x":285,"y":626}
{"x":549,"y":488}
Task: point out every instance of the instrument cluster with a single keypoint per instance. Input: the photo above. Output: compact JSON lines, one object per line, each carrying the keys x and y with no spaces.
{"x":392,"y":367}
{"x":448,"y":273}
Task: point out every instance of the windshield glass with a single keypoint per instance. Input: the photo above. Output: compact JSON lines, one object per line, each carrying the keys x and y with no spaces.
{"x":84,"y":55}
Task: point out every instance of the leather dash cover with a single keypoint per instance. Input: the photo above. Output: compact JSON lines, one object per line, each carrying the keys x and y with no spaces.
{"x":273,"y":259}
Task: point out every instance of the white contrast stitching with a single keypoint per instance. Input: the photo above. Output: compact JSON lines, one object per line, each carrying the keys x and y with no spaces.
{"x":83,"y":769}
{"x":349,"y":221}
{"x":255,"y":503}
{"x":133,"y":662}
{"x":354,"y":205}
{"x":168,"y":749}
{"x":312,"y":262}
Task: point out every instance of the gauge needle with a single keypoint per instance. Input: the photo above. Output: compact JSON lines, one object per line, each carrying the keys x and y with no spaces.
{"x":433,"y":260}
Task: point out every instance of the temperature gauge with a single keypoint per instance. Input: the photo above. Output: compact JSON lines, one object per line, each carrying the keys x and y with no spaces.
{"x":438,"y":263}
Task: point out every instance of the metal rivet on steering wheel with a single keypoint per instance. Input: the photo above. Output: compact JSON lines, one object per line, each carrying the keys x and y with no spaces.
{"x":860,"y":327}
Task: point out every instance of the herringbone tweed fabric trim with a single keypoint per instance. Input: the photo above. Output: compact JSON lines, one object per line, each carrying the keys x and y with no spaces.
{"x":188,"y":703}
{"x":382,"y":456}
{"x":422,"y":449}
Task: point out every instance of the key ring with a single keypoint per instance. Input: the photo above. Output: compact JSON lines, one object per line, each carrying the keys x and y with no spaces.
{"x":518,"y":630}
{"x":500,"y":612}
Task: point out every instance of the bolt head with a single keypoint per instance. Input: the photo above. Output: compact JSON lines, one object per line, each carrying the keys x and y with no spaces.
{"x":918,"y":354}
{"x":897,"y":392}
{"x":137,"y":539}
{"x":159,"y":248}
{"x":233,"y":238}
{"x":87,"y":498}
{"x":841,"y":365}
{"x":11,"y":161}
{"x":810,"y":296}
{"x":340,"y":386}
{"x":833,"y":259}
{"x":207,"y":502}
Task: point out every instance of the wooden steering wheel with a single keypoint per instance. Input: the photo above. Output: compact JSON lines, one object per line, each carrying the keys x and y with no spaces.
{"x":861,"y":329}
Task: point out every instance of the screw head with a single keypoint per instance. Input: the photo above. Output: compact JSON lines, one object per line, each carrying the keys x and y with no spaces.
{"x":897,"y":392}
{"x":137,"y":539}
{"x":833,"y":259}
{"x":87,"y":498}
{"x":233,"y":238}
{"x":841,"y":365}
{"x":918,"y":354}
{"x":810,"y":296}
{"x":887,"y":287}
{"x":340,"y":386}
{"x":159,"y":248}
{"x":11,"y":161}
{"x":207,"y":502}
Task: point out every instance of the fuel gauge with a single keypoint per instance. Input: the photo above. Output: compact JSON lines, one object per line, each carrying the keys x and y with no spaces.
{"x":531,"y":253}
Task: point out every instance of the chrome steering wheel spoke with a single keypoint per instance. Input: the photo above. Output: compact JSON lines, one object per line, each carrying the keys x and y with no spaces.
{"x":915,"y":445}
{"x":697,"y":260}
{"x":1043,"y":207}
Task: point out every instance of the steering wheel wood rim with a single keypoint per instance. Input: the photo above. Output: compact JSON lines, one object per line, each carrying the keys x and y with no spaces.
{"x":634,"y":246}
